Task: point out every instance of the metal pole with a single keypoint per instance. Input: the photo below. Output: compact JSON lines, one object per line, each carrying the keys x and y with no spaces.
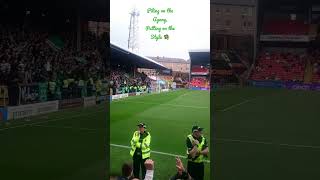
{"x":130,"y":31}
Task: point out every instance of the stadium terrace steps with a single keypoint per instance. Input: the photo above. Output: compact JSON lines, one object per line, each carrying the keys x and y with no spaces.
{"x":308,"y":72}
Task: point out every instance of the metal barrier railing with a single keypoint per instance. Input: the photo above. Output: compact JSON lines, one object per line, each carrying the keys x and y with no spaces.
{"x":39,"y":92}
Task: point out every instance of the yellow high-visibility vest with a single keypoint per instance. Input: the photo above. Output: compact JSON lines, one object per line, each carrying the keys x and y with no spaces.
{"x":200,"y":158}
{"x":145,"y":145}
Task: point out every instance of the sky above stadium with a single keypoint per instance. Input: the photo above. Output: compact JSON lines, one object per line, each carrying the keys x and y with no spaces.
{"x":189,"y":18}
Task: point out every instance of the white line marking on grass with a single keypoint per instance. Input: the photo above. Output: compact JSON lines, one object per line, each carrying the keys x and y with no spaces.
{"x":184,"y":94}
{"x":300,"y":146}
{"x":236,"y":105}
{"x":52,"y":120}
{"x":95,"y":130}
{"x":173,"y":105}
{"x":156,"y":152}
{"x":267,"y":143}
{"x":115,"y":145}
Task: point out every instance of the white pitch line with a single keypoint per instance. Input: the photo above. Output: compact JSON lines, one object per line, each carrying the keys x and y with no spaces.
{"x":173,"y":105}
{"x":156,"y":152}
{"x":184,"y":94}
{"x":267,"y":143}
{"x":300,"y":146}
{"x":89,"y":129}
{"x":235,"y":105}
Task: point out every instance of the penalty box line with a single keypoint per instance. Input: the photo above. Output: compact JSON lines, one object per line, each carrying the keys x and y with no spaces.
{"x":172,"y":105}
{"x":236,"y":105}
{"x":156,"y":152}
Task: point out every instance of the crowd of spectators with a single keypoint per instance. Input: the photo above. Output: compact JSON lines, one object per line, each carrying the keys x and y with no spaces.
{"x":124,"y":82}
{"x":181,"y":78}
{"x":198,"y":81}
{"x":28,"y":56}
{"x":287,"y":66}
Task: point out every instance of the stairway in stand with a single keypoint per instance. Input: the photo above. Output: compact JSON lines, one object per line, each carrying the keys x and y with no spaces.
{"x":308,"y":72}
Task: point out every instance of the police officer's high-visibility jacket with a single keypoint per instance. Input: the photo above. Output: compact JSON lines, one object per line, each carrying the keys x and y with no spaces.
{"x":144,"y":145}
{"x":200,"y":158}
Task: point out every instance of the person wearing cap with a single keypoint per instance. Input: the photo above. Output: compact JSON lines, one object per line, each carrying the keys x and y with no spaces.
{"x":140,"y":149}
{"x":197,"y":150}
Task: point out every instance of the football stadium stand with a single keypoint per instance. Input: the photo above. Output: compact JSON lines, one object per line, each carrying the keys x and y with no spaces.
{"x":279,"y":66}
{"x":125,"y":77}
{"x":33,"y":57}
{"x":199,"y":71}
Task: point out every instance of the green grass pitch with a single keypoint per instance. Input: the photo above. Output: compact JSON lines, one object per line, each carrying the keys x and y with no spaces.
{"x":266,"y":134}
{"x":65,"y":145}
{"x":169,"y":117}
{"x":259,"y":134}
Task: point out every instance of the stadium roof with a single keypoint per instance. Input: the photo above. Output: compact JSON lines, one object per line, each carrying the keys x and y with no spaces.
{"x":201,"y":57}
{"x":123,"y":56}
{"x":169,"y":60}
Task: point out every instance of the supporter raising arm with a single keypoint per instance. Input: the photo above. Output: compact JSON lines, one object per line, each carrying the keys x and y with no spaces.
{"x":182,"y":173}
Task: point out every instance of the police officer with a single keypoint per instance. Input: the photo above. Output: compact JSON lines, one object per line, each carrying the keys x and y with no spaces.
{"x":197,"y":150}
{"x":140,"y":149}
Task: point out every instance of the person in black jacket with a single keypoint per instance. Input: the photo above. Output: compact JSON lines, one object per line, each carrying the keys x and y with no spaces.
{"x":13,"y":87}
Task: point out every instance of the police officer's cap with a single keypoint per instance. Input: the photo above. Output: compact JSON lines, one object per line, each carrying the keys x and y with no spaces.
{"x":142,"y":125}
{"x":196,"y":128}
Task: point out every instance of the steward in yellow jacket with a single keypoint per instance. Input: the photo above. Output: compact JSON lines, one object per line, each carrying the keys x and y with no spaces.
{"x":140,"y":150}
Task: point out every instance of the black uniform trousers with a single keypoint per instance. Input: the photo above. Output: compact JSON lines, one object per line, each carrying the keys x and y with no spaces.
{"x":137,"y":163}
{"x":196,"y":170}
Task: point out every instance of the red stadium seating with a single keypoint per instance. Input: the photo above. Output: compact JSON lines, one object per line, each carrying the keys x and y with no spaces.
{"x":285,"y":27}
{"x":199,"y":82}
{"x":276,"y":66}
